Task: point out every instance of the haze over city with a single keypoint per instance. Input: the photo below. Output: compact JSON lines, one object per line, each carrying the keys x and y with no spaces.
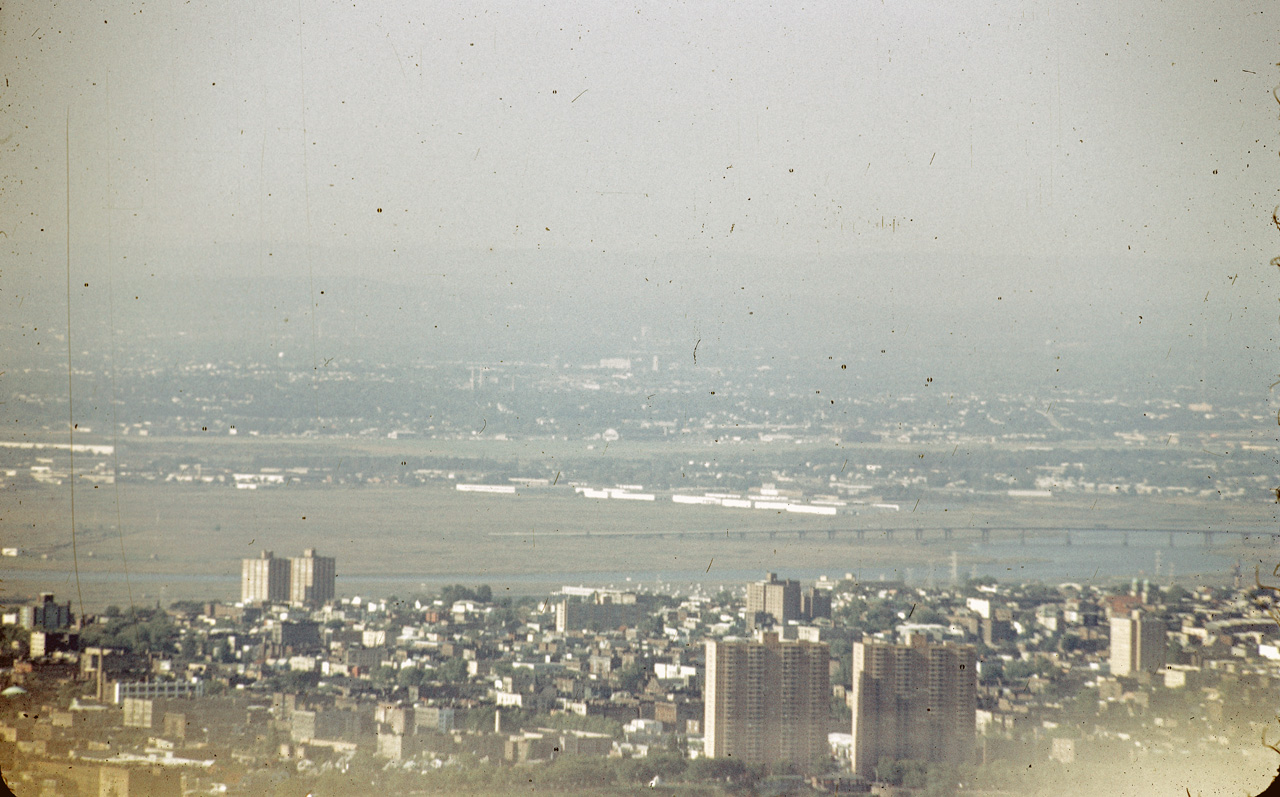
{"x":515,"y":311}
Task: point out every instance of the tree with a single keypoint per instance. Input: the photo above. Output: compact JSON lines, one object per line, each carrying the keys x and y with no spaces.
{"x":715,"y":769}
{"x":850,"y":614}
{"x":459,"y":592}
{"x":971,"y":585}
{"x":997,"y":776}
{"x":503,"y":668}
{"x":452,"y":671}
{"x":915,"y":775}
{"x":1081,"y":707}
{"x":222,"y":653}
{"x":927,"y":616}
{"x":384,"y":676}
{"x":1036,"y":592}
{"x":501,"y":618}
{"x":908,"y":772}
{"x":581,"y":772}
{"x":138,"y":631}
{"x":456,"y":592}
{"x":881,"y":617}
{"x":294,"y":681}
{"x":481,"y":719}
{"x":992,"y":671}
{"x":941,"y":780}
{"x":889,"y":771}
{"x":651,"y":626}
{"x":15,"y":639}
{"x":187,"y":607}
{"x":409,"y":676}
{"x":668,"y":766}
{"x":844,"y":675}
{"x":840,"y":712}
{"x":632,"y":678}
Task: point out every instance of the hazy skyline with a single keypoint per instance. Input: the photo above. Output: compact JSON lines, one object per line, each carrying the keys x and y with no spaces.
{"x":1035,"y":130}
{"x":997,"y":269}
{"x":1043,"y":173}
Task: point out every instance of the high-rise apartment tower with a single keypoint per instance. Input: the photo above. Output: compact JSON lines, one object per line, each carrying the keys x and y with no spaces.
{"x":311,"y":578}
{"x":915,"y":701}
{"x":264,"y":580}
{"x":1137,"y":644}
{"x":767,"y":700}
{"x":779,"y":599}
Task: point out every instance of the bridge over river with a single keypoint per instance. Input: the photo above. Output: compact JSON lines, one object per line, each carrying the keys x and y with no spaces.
{"x":925,"y":534}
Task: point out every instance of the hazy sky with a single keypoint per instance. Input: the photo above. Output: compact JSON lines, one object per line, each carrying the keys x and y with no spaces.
{"x":1039,"y":129}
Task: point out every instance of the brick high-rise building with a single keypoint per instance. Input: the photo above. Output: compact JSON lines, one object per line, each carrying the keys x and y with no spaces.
{"x":311,"y":578}
{"x":264,"y":580}
{"x":779,"y":599}
{"x":46,"y":614}
{"x":766,"y":700}
{"x":914,"y":701}
{"x":1137,"y":644}
{"x":814,"y":604}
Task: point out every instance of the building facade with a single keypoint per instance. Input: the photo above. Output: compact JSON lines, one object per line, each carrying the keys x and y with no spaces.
{"x":311,"y":578}
{"x":151,"y":690}
{"x":778,"y":599}
{"x":766,"y":701}
{"x":603,"y":610}
{"x":1137,"y":644}
{"x":815,"y":604}
{"x":46,"y":614}
{"x":264,"y":580}
{"x":915,"y":701}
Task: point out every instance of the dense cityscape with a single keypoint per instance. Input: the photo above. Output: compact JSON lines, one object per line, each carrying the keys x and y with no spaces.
{"x":887,"y":675}
{"x":740,"y":421}
{"x":772,"y":687}
{"x":691,"y":399}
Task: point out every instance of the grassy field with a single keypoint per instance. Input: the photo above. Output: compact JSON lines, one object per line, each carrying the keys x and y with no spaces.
{"x":417,"y":536}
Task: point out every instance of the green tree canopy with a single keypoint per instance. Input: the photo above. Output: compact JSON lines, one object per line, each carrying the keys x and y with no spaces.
{"x":147,"y":630}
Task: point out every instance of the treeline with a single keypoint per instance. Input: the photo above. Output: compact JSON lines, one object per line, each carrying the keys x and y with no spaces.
{"x":567,"y":775}
{"x":458,"y":592}
{"x":138,"y":630}
{"x":942,"y":780}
